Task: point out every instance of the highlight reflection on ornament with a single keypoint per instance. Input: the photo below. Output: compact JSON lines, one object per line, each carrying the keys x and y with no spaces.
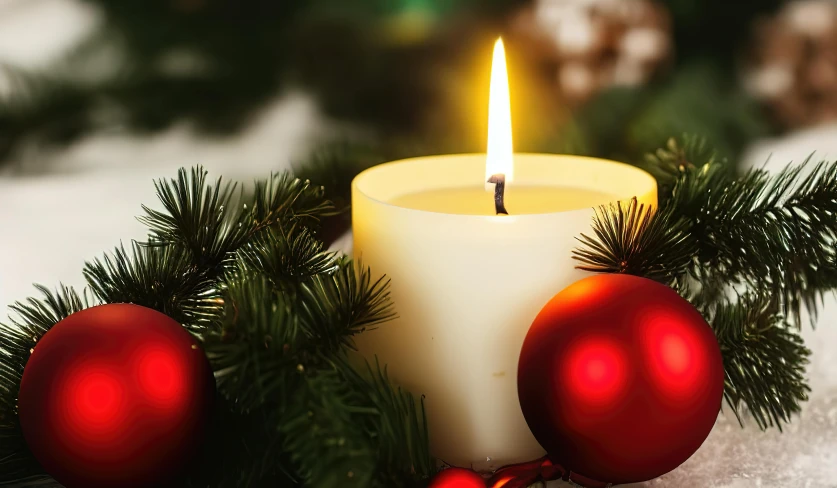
{"x":116,"y":396}
{"x":620,"y":379}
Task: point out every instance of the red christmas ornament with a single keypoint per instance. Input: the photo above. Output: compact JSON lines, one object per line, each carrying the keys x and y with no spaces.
{"x":115,"y":396}
{"x":457,"y":478}
{"x":620,"y":379}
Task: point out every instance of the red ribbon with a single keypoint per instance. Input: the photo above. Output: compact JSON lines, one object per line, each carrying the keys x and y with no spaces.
{"x":525,"y":474}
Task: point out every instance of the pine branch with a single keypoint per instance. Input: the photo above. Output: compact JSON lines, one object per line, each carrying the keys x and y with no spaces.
{"x":321,"y":429}
{"x":330,"y":425}
{"x":208,"y":222}
{"x":198,"y":217}
{"x":257,"y":346}
{"x":773,"y":233}
{"x":764,"y":360}
{"x":159,"y":277}
{"x":285,"y":199}
{"x":677,"y":160}
{"x":336,"y":306}
{"x":31,"y":321}
{"x":401,"y":424}
{"x":269,"y":354}
{"x":267,"y":333}
{"x":286,"y":257}
{"x":276,"y":314}
{"x":639,"y":241}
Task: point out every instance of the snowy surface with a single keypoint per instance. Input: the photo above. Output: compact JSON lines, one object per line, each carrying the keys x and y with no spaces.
{"x":53,"y":222}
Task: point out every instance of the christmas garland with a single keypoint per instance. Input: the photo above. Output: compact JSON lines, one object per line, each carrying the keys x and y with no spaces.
{"x":247,"y":274}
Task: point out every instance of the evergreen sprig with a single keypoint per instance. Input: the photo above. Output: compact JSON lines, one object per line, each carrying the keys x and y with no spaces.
{"x":197,"y":217}
{"x":160,"y":277}
{"x":764,"y":360}
{"x":323,"y":430}
{"x":770,"y":238}
{"x":397,"y":458}
{"x":770,"y":232}
{"x":636,"y":239}
{"x":336,"y":306}
{"x":257,"y":344}
{"x":677,"y":159}
{"x":286,"y":256}
{"x":283,"y":198}
{"x":248,"y":275}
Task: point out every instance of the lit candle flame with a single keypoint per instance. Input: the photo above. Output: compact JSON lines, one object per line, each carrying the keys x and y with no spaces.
{"x":499,"y":160}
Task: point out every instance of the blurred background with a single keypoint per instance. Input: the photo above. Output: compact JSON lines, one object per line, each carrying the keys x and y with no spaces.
{"x":98,"y":98}
{"x":612,"y":78}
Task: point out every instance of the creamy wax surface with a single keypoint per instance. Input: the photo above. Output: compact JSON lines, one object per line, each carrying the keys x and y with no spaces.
{"x":519,"y":200}
{"x":467,"y":283}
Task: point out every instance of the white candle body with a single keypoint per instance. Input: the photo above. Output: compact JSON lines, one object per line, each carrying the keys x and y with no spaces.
{"x":467,"y":287}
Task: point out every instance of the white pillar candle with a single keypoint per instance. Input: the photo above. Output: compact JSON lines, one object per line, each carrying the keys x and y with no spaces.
{"x":467,"y":283}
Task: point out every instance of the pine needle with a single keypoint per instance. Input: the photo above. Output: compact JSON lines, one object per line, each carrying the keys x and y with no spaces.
{"x":258,"y":344}
{"x":764,"y":360}
{"x":286,"y":256}
{"x":159,"y":277}
{"x":197,"y":216}
{"x":336,"y":306}
{"x":637,"y":240}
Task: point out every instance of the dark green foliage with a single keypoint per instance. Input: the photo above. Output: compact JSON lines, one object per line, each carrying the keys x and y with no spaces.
{"x":286,"y":256}
{"x":240,"y":54}
{"x":211,"y":223}
{"x":158,"y":277}
{"x":773,"y":233}
{"x":197,"y":217}
{"x":777,"y":234}
{"x":276,"y":314}
{"x":395,"y":458}
{"x":244,"y":450}
{"x":764,"y":360}
{"x":316,"y":437}
{"x":770,"y":236}
{"x":257,"y":345}
{"x":638,"y":240}
{"x":286,"y":199}
{"x":715,"y":28}
{"x":336,"y":306}
{"x":627,"y":123}
{"x":42,"y":107}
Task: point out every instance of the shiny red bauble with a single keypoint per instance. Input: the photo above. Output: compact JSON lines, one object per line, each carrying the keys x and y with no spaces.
{"x":116,"y":396}
{"x":457,"y":478}
{"x":620,"y":379}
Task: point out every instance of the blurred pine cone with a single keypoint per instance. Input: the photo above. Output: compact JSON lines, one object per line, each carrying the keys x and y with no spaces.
{"x":792,"y":63}
{"x":592,"y":45}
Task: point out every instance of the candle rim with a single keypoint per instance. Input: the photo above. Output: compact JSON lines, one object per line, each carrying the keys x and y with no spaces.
{"x":649,"y":189}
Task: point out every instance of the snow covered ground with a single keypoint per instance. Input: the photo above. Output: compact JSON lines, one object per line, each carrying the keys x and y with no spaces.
{"x":51,"y":223}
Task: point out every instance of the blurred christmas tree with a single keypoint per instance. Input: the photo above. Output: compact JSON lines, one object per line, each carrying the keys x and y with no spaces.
{"x":413,"y":70}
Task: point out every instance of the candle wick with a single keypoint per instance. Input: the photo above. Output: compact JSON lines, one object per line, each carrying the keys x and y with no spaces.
{"x":499,"y":181}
